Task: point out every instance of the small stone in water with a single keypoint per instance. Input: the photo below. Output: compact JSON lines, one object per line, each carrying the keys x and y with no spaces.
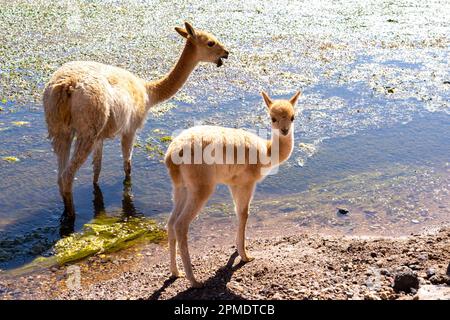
{"x":390,"y":89}
{"x":342,"y":211}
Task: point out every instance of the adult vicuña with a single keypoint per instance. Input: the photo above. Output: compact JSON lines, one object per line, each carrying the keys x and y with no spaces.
{"x":227,"y":156}
{"x":93,"y":101}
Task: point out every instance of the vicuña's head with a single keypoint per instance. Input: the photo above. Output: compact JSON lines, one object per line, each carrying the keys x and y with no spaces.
{"x":207,"y":47}
{"x":282,"y":112}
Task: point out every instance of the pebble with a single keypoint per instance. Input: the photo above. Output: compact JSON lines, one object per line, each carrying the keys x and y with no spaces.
{"x":384,"y":295}
{"x":277,"y":296}
{"x":384,"y":272}
{"x":430,"y":272}
{"x":440,"y":279}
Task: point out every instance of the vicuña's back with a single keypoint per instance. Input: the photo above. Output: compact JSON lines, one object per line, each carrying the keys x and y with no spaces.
{"x":203,"y":156}
{"x":115,"y":98}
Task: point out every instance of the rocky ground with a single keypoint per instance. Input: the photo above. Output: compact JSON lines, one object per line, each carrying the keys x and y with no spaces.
{"x":302,"y":266}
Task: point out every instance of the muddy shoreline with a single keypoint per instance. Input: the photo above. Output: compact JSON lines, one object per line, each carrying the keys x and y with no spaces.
{"x":301,"y":266}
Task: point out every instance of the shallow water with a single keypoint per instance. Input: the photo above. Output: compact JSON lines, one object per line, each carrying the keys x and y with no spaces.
{"x":372,"y":134}
{"x":418,"y":150}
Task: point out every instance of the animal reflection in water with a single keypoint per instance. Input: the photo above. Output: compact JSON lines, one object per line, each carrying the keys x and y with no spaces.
{"x":128,"y":208}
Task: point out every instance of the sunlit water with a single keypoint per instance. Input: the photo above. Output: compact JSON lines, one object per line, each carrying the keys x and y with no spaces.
{"x":372,"y":133}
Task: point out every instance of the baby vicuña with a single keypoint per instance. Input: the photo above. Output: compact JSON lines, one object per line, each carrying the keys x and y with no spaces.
{"x":203,"y":156}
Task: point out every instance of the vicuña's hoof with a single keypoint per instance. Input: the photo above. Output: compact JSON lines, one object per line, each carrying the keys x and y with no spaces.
{"x":247,"y":259}
{"x":177,"y":274}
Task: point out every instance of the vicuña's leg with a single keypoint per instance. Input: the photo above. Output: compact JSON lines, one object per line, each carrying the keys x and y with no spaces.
{"x":97,"y":159}
{"x":61,"y":147}
{"x":196,"y":199}
{"x":242,"y":196}
{"x":127,"y":152}
{"x":179,"y":200}
{"x":83,"y":148}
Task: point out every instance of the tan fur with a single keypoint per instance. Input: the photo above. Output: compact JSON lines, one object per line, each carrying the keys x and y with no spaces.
{"x":94,"y":101}
{"x":194,"y":183}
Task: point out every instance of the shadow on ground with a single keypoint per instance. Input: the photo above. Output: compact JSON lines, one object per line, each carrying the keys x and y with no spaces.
{"x":214,"y":288}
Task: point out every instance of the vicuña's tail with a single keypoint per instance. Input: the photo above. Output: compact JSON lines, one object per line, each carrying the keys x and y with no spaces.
{"x":174,"y":170}
{"x":57,"y":107}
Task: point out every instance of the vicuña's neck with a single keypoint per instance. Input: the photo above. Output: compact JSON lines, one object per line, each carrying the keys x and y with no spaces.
{"x":164,"y":88}
{"x":281,"y":146}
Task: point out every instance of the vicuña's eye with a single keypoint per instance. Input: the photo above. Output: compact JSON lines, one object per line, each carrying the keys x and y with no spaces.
{"x":274,"y":120}
{"x":292,"y":118}
{"x":211,"y":43}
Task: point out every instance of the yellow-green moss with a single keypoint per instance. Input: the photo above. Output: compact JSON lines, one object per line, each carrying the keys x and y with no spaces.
{"x":101,"y":235}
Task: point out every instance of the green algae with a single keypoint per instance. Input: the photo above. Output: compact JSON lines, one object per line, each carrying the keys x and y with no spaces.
{"x":155,"y":145}
{"x":320,"y":38}
{"x":153,"y":151}
{"x":101,"y":236}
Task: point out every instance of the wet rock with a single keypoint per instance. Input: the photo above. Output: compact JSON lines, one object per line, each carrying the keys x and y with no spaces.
{"x":405,"y":280}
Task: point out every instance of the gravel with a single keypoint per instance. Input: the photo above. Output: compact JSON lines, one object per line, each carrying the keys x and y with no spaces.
{"x":290,"y":267}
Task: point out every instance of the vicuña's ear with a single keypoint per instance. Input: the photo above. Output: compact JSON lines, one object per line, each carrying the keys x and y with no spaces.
{"x":294,"y":98}
{"x":182,"y":32}
{"x":190,"y":29}
{"x":267,"y":99}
